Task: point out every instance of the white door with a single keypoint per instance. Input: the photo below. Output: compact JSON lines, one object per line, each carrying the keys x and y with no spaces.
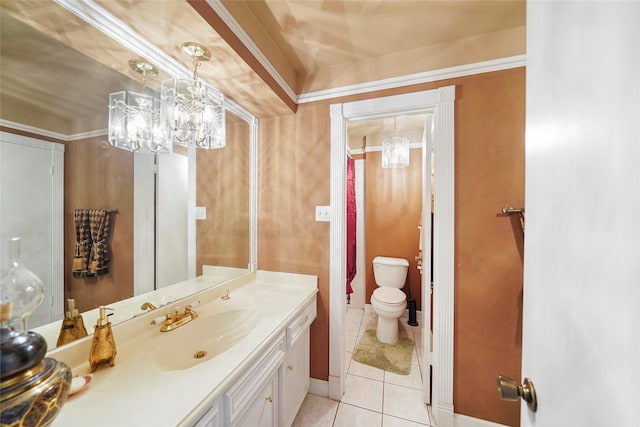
{"x":31,"y":207}
{"x":171,"y":219}
{"x":581,"y":315}
{"x":425,"y":245}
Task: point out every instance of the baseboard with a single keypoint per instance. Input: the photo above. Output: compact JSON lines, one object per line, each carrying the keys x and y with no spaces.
{"x":448,"y":419}
{"x":319,"y":387}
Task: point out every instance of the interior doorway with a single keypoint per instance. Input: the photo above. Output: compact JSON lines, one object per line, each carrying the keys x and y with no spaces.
{"x":439,"y":103}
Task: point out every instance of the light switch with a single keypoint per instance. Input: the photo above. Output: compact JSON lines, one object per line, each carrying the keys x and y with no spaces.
{"x":201,"y":212}
{"x":323,"y":213}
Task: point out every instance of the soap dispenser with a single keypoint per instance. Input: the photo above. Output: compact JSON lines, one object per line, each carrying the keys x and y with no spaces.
{"x":103,"y":346}
{"x":72,"y":325}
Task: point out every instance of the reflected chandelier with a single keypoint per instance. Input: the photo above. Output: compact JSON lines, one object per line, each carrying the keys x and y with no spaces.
{"x":192,"y":113}
{"x":395,"y":151}
{"x":134,"y":117}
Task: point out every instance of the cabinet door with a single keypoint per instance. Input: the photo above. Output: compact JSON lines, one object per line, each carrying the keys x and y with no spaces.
{"x":295,"y":378}
{"x":261,"y":411}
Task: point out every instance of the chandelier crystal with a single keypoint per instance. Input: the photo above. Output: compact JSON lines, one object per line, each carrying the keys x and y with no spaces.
{"x":192,"y":112}
{"x":134,"y":117}
{"x":395,"y":152}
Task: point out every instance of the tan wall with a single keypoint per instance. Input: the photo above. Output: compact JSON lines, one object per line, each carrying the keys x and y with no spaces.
{"x":223,"y":188}
{"x":99,"y":176}
{"x":294,"y":167}
{"x":393,"y":204}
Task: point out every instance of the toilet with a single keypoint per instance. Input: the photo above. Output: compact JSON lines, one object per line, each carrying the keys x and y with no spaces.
{"x":388,"y":300}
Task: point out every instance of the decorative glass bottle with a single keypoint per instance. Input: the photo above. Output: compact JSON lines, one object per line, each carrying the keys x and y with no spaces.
{"x":21,"y":291}
{"x":33,"y":387}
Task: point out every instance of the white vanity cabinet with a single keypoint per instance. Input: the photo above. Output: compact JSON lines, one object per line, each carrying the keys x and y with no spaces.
{"x":294,"y":372}
{"x":269,"y":393}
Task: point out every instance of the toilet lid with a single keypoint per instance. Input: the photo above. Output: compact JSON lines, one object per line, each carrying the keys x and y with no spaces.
{"x":389,"y":295}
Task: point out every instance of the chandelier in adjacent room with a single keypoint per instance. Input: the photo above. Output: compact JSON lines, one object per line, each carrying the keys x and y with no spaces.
{"x":134,"y":117}
{"x":192,"y":113}
{"x":395,"y":151}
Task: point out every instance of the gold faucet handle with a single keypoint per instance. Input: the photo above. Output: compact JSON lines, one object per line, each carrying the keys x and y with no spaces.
{"x":161,"y":319}
{"x":147,"y":305}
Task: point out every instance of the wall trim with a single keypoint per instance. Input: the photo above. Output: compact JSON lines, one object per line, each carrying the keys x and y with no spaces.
{"x":34,"y":130}
{"x":50,"y":134}
{"x":318,"y":387}
{"x":418,"y":78}
{"x":371,"y":149}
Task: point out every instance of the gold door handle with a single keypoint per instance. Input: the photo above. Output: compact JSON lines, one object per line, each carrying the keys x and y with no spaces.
{"x":269,"y":399}
{"x":510,"y":390}
{"x":290,"y":367}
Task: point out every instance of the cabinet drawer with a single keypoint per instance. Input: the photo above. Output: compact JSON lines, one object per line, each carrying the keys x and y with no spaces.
{"x":300,"y":323}
{"x":243,"y":392}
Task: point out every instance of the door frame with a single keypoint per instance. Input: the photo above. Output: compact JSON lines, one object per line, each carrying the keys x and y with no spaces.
{"x":440,"y":103}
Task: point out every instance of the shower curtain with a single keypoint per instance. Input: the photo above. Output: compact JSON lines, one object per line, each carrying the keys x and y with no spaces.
{"x":351,"y":223}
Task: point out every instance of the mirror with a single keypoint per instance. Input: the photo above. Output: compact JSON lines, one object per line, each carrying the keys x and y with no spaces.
{"x":51,"y":92}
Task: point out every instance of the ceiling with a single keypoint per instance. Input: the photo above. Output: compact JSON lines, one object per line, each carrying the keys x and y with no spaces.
{"x":308,"y":46}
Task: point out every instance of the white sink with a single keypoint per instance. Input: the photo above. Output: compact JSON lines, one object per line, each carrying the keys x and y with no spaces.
{"x":202,"y":339}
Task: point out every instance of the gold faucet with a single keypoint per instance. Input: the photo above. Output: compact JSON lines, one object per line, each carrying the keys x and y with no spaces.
{"x":176,"y":319}
{"x":148,"y":305}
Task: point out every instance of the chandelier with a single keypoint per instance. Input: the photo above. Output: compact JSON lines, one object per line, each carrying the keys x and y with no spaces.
{"x":134,"y":117}
{"x":191,"y":112}
{"x":395,"y":151}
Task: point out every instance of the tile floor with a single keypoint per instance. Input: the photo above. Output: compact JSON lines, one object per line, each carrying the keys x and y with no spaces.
{"x":373,"y":397}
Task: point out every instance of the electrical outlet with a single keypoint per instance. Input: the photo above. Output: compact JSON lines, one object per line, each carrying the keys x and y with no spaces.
{"x":323,"y":213}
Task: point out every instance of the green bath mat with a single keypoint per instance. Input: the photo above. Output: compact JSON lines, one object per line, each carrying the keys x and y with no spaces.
{"x":393,"y":358}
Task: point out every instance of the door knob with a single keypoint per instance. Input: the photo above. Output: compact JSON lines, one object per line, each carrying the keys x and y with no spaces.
{"x":510,"y":390}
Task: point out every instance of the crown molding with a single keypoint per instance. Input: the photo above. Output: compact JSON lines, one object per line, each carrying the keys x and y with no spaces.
{"x":50,"y":134}
{"x":371,"y":149}
{"x":104,"y":21}
{"x":418,"y":78}
{"x":34,"y":130}
{"x":85,"y":135}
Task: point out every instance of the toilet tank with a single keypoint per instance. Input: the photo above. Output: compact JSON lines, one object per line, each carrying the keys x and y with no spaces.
{"x":390,"y":272}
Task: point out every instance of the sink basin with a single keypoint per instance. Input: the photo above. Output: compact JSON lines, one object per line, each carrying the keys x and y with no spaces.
{"x":202,"y":339}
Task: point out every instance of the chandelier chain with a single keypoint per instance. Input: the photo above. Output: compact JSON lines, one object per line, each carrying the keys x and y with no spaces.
{"x":196,"y":64}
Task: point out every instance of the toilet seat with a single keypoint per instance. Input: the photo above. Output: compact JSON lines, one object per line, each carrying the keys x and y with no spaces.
{"x":389,"y":296}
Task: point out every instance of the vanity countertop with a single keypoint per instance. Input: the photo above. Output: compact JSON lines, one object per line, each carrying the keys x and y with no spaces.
{"x":136,"y":392}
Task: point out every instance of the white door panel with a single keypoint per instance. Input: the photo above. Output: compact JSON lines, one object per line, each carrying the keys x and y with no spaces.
{"x":581,"y":322}
{"x":171,"y":220}
{"x":30,"y":190}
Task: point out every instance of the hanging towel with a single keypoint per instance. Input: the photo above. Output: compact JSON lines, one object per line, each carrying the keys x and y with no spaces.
{"x":351,"y":223}
{"x":80,"y":265}
{"x":100,"y":228}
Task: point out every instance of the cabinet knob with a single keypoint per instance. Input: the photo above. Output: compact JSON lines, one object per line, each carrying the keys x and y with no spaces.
{"x":290,"y":367}
{"x":303,"y":321}
{"x":269,"y":399}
